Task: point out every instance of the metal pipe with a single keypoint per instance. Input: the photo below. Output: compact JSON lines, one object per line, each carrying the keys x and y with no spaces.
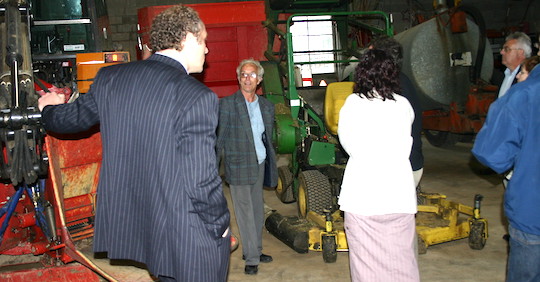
{"x":14,"y":58}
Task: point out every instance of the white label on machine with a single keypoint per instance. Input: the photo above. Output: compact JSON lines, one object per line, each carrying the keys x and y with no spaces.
{"x":295,"y":103}
{"x":74,"y":47}
{"x":461,"y":59}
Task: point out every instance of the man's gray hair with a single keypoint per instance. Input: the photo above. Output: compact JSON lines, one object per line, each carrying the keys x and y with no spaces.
{"x":260,"y":69}
{"x":523,"y":42}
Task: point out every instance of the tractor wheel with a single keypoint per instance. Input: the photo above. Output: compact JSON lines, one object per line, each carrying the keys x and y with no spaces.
{"x":477,"y":235}
{"x":314,"y":192}
{"x":422,"y":247}
{"x":479,"y":168}
{"x":329,"y":249}
{"x":442,"y":139}
{"x":284,"y":188}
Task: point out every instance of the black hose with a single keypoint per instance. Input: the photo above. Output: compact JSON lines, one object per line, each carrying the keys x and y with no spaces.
{"x":479,"y":20}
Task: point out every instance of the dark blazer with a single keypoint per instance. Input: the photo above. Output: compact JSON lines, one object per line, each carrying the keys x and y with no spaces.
{"x":235,"y":141}
{"x":408,"y":91}
{"x":160,"y":200}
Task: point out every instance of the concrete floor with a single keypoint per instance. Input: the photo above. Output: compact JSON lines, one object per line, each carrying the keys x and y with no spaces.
{"x":446,"y":171}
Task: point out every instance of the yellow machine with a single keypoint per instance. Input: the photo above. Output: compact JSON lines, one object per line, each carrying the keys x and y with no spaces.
{"x":439,"y":220}
{"x":321,"y":233}
{"x":327,"y":235}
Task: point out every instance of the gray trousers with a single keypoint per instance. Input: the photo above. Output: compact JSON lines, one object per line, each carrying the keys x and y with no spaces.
{"x":249,"y":210}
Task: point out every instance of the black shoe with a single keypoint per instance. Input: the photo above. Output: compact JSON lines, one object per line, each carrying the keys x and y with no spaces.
{"x":263,"y":258}
{"x":251,"y":269}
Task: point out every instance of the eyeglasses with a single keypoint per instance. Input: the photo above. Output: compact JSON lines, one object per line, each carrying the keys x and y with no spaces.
{"x":246,"y":75}
{"x":507,"y":49}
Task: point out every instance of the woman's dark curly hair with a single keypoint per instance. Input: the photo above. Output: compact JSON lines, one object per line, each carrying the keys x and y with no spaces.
{"x":171,"y":26}
{"x":531,"y":62}
{"x":377,"y":71}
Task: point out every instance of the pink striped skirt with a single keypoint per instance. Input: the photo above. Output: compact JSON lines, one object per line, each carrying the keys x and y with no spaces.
{"x":381,"y":247}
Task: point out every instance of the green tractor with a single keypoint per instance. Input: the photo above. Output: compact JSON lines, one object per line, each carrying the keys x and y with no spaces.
{"x":308,"y":87}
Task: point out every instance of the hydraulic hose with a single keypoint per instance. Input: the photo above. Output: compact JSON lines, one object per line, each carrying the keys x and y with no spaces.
{"x":479,"y":20}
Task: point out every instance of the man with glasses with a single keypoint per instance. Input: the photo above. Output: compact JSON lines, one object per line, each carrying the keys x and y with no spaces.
{"x":245,"y":140}
{"x":507,"y":141}
{"x":516,"y":49}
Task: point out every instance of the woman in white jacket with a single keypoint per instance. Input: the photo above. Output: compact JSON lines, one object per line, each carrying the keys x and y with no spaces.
{"x":378,"y":191}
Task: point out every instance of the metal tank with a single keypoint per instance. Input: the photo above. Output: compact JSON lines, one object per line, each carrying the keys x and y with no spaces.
{"x":441,"y":63}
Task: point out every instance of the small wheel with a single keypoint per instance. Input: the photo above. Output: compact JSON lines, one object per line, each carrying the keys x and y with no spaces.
{"x":329,"y":248}
{"x":284,"y":188}
{"x":477,"y":235}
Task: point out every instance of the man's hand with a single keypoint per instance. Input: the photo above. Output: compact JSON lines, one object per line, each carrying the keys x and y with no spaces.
{"x":51,"y":98}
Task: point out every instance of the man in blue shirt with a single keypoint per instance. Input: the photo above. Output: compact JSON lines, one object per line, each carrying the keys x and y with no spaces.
{"x":510,"y":139}
{"x":245,"y":128}
{"x":516,"y":49}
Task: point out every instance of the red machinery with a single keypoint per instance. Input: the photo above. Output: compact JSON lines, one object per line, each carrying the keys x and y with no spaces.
{"x":49,"y":183}
{"x":235,"y":33}
{"x":47,"y":201}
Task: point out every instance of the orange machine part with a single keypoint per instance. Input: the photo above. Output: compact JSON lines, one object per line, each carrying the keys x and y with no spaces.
{"x":88,"y":64}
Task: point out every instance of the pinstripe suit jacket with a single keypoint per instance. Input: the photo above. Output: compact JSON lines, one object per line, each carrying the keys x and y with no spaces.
{"x":235,"y":140}
{"x":160,"y":199}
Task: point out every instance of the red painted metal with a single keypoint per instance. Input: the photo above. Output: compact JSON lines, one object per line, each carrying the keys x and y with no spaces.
{"x":19,"y":236}
{"x":37,"y":272}
{"x":462,"y":119}
{"x":235,"y":33}
{"x":74,"y":162}
{"x":77,"y":158}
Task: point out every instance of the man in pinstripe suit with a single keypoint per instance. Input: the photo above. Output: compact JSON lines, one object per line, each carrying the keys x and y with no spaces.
{"x":245,"y":139}
{"x":160,"y":200}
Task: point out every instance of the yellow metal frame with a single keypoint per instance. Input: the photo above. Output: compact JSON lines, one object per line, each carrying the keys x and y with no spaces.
{"x":449,"y":221}
{"x":322,"y":227}
{"x":446,"y":224}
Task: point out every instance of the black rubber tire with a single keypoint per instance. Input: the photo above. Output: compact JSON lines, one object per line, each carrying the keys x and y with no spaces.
{"x":420,"y":199}
{"x":442,"y":139}
{"x":479,"y":168}
{"x":314,"y":193}
{"x":477,"y":236}
{"x":466,"y":138}
{"x":422,"y":247}
{"x":284,"y":188}
{"x":329,"y":249}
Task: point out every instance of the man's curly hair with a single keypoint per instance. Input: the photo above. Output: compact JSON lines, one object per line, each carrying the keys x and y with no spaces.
{"x":171,"y":26}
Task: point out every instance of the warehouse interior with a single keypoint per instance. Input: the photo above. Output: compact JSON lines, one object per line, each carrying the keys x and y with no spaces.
{"x":64,"y":54}
{"x":447,"y":171}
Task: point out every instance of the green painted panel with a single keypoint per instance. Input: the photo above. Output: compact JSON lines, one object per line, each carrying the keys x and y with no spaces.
{"x":322,"y":153}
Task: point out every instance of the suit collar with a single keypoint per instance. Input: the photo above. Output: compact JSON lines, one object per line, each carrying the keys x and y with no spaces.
{"x":167,"y":60}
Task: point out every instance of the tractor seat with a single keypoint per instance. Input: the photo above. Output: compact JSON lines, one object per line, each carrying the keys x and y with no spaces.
{"x":336,"y":94}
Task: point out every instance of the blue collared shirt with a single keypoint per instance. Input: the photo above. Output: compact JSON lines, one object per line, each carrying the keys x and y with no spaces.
{"x":257,"y":127}
{"x":509,"y":77}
